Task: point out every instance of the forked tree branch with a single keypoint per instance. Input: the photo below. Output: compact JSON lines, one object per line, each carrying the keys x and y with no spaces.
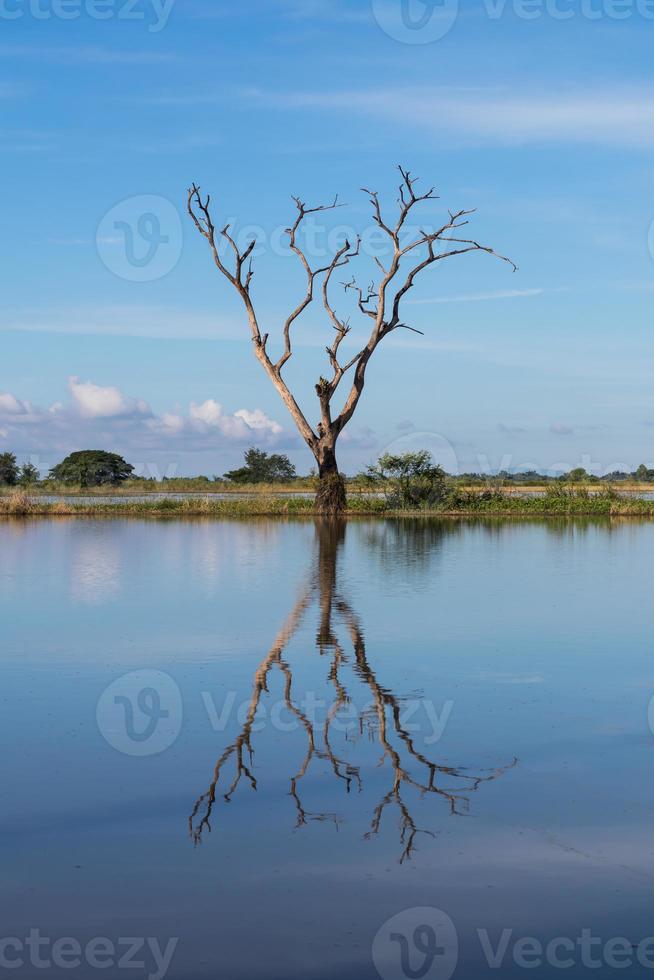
{"x":199,"y":210}
{"x":381,"y":302}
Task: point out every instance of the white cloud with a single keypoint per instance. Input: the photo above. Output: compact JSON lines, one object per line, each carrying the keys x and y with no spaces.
{"x":171,"y":423}
{"x":97,"y":402}
{"x":210,"y":414}
{"x":615,"y":116}
{"x":10,"y":405}
{"x":104,"y":416}
{"x":258,"y":420}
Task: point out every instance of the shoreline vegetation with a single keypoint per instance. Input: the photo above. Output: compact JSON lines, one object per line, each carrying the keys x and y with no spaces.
{"x":307,"y":485}
{"x":99,"y":483}
{"x":548,"y":501}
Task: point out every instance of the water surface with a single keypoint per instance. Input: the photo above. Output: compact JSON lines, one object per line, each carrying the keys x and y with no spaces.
{"x":268,"y":739}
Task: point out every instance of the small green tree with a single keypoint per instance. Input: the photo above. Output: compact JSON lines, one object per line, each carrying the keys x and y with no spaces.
{"x":578,"y":475}
{"x":8,"y":470}
{"x":260,"y":467}
{"x":29,"y":475}
{"x":92,"y":468}
{"x":644,"y":475}
{"x":410,"y":479}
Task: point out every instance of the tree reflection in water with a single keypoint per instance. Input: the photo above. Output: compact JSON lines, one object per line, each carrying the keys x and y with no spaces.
{"x":410,"y":768}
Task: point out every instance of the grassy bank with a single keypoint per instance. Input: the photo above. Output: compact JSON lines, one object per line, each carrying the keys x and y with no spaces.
{"x":205,"y":488}
{"x":556,"y":502}
{"x":195,"y":488}
{"x":22,"y":504}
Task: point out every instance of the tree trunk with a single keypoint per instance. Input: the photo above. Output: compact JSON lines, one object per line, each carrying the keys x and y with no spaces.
{"x":330,"y":534}
{"x":330,"y":498}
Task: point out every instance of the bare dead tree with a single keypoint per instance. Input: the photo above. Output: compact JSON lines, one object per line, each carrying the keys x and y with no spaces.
{"x":380,"y":303}
{"x":411,"y":773}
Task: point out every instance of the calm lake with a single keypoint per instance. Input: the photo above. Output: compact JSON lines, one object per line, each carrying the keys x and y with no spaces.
{"x":279,"y":750}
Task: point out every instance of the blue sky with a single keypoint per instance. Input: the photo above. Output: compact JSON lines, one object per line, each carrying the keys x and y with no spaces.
{"x":538,"y":114}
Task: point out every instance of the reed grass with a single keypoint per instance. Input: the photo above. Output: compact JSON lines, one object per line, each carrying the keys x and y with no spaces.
{"x":558,"y":501}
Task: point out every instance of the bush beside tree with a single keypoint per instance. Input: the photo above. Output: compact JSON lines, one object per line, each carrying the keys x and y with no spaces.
{"x":410,"y":480}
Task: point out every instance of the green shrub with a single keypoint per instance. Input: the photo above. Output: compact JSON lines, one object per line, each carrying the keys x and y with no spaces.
{"x":410,"y":481}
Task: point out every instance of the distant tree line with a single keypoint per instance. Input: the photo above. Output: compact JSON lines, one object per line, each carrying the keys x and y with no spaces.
{"x":96,"y":467}
{"x":13,"y":475}
{"x":407,"y":479}
{"x":576,"y":475}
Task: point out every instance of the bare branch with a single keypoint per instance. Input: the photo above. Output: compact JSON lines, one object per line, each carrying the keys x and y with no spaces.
{"x":311,"y":274}
{"x":363,"y":301}
{"x":381,"y":302}
{"x":199,"y":211}
{"x":407,"y":199}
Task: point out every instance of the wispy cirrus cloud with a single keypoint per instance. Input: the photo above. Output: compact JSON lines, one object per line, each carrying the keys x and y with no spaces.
{"x":605,"y":116}
{"x":22,"y":140}
{"x":122,"y":320}
{"x":67,"y":54}
{"x":324,"y":10}
{"x":12,"y":90}
{"x":477,"y":297}
{"x":336,"y":11}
